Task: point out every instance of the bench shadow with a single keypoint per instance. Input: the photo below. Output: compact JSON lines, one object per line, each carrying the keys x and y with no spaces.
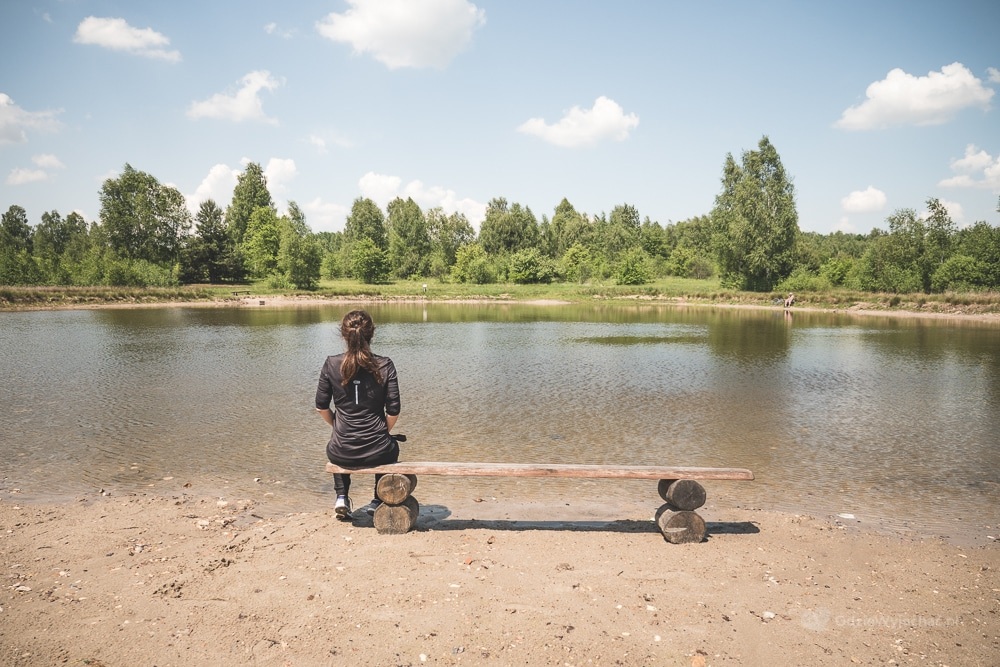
{"x":436,"y":517}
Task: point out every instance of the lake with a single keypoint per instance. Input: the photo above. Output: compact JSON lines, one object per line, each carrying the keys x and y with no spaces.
{"x":893,"y":420}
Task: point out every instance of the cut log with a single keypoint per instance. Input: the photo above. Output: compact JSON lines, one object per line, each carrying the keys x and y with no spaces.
{"x":682,"y":494}
{"x":680,"y":527}
{"x":395,"y":487}
{"x":396,"y":519}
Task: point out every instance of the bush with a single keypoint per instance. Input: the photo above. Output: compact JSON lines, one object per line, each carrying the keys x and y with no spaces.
{"x":530,"y":266}
{"x":633,"y":268}
{"x":958,"y":273}
{"x":803,"y":280}
{"x":472,"y":266}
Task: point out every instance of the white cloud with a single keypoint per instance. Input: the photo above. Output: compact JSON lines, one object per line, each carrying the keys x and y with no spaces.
{"x":15,"y":122}
{"x":379,"y":188}
{"x":273,"y":29}
{"x":218,"y":186}
{"x":47,"y":161}
{"x":869,"y":200}
{"x":279,"y":172}
{"x":325,"y":216}
{"x":844,"y":225}
{"x":976,"y":169}
{"x":382,"y":189}
{"x":118,"y":35}
{"x":994,"y":74}
{"x":405,"y":33}
{"x":583,"y":127}
{"x":904,"y":99}
{"x":22,"y":176}
{"x":318,"y":141}
{"x":242,"y":105}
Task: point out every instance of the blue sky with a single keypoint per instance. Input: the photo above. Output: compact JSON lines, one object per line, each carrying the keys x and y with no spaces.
{"x":873,"y":106}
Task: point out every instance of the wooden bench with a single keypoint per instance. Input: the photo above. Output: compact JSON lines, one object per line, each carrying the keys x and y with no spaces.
{"x":678,"y":486}
{"x":237,"y":292}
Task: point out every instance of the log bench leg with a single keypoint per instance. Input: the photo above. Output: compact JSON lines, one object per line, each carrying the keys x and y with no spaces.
{"x":677,"y":520}
{"x":399,"y":510}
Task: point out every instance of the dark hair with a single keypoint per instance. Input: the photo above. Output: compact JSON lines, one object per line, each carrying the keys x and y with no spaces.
{"x":357,"y":329}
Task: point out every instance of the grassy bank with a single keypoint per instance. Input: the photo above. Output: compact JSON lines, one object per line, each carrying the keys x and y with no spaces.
{"x":674,"y":290}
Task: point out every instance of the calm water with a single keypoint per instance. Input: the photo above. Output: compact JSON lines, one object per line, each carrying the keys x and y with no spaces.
{"x":892,"y":420}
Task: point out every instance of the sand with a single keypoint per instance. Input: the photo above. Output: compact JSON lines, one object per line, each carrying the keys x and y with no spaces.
{"x":180,"y":578}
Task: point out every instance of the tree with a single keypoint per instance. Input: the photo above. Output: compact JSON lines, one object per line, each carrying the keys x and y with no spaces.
{"x":755,"y":221}
{"x":143,"y":219}
{"x":472,"y":265}
{"x":210,"y":255}
{"x":409,"y":240}
{"x":447,"y":234}
{"x":633,"y":268}
{"x":17,"y":266}
{"x":262,"y":242}
{"x":299,"y":255}
{"x":366,"y":222}
{"x":51,"y":240}
{"x":369,"y":263}
{"x":507,"y":229}
{"x":576,"y":263}
{"x":531,"y":266}
{"x":249,"y":194}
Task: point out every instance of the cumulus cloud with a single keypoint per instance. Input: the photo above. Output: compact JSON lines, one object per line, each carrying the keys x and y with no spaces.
{"x":244,"y":104}
{"x":48,"y":161}
{"x":382,"y":189}
{"x":976,"y":169}
{"x":405,"y":33}
{"x":218,"y":186}
{"x":118,"y":35}
{"x":584,"y":127}
{"x":22,"y":176}
{"x":994,"y":74}
{"x":15,"y":122}
{"x":325,"y":216}
{"x":904,"y":99}
{"x":869,"y":200}
{"x":273,"y":29}
{"x":279,"y":172}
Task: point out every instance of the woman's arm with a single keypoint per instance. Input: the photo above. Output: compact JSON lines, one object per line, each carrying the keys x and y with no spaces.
{"x":390,"y":421}
{"x":327,"y":415}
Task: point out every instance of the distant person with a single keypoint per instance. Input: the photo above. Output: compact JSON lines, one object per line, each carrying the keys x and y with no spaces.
{"x":358,"y":396}
{"x":790,"y":300}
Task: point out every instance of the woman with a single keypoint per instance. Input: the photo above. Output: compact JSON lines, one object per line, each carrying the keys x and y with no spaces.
{"x":364,"y":393}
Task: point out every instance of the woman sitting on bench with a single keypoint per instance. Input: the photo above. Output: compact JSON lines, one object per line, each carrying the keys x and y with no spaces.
{"x":363,"y":391}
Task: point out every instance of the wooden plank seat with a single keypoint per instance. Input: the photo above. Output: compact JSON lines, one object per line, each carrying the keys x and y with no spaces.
{"x":678,"y":486}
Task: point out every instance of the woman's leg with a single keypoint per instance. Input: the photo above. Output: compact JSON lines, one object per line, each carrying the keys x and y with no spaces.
{"x":341,"y":484}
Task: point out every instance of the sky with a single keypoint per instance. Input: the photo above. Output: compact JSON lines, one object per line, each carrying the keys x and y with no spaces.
{"x":873,"y":107}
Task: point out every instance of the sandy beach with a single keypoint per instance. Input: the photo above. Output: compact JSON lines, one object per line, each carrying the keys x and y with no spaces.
{"x":181,"y":578}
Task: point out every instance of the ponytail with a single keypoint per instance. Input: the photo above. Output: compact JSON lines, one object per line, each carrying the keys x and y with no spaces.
{"x":357,"y":329}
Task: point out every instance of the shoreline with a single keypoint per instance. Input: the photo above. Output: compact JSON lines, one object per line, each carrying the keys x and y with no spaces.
{"x":182,"y":578}
{"x":285,"y":301}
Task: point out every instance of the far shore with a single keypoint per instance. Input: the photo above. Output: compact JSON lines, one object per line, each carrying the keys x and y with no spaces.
{"x":956,"y":313}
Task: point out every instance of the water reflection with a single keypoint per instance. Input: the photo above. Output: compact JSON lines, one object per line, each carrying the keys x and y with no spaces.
{"x":894,"y":418}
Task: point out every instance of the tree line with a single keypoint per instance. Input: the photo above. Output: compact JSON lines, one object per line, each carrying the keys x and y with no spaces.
{"x":145,"y":236}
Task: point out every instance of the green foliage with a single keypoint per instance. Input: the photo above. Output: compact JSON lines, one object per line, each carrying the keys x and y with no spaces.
{"x":127,"y":272}
{"x":836,"y":270}
{"x":687,"y":262}
{"x":369,"y":263}
{"x":447,"y":234}
{"x":409,"y":239}
{"x":507,"y":229}
{"x":633,"y":268}
{"x":299,"y":256}
{"x":366,"y":222}
{"x":958,"y":273}
{"x":142,"y":218}
{"x":755,"y":221}
{"x":262,"y":242}
{"x":472,"y":266}
{"x":249,"y":194}
{"x":577,"y":263}
{"x":803,"y":280}
{"x":530,"y":266}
